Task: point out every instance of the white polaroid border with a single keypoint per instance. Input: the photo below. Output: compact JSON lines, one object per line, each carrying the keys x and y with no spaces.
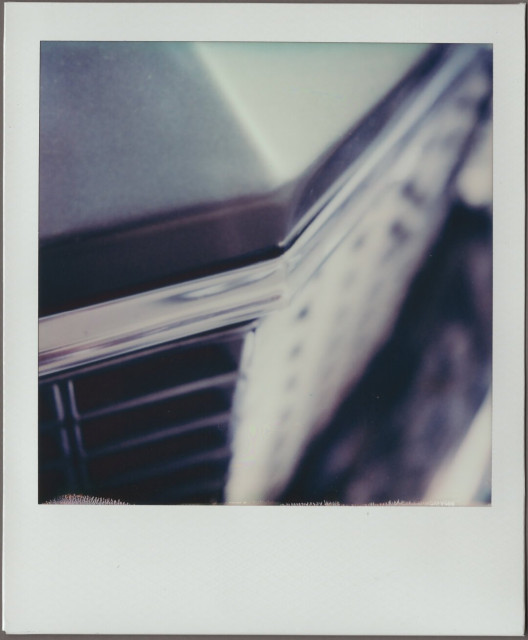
{"x":261,"y":570}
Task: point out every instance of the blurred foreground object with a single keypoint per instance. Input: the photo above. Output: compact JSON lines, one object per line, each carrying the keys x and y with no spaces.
{"x":249,"y":292}
{"x":402,"y":424}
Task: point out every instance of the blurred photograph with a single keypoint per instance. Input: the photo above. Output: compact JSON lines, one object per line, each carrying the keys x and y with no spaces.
{"x":265,"y":273}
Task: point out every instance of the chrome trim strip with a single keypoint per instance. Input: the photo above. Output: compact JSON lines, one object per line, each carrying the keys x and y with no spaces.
{"x":403,"y":124}
{"x":127,"y":324}
{"x":329,"y":220}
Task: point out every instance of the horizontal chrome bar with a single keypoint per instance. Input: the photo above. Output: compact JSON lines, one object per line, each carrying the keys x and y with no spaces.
{"x":92,"y":333}
{"x":127,"y":324}
{"x":220,"y":380}
{"x":212,"y":420}
{"x":173,"y":466}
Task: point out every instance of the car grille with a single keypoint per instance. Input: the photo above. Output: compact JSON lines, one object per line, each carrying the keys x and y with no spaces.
{"x":150,"y":427}
{"x":227,"y":414}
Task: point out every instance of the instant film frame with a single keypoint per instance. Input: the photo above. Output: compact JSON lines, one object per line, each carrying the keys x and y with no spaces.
{"x":302,"y":570}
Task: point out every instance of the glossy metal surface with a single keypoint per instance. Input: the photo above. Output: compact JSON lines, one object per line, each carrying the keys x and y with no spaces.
{"x":437,"y":118}
{"x":165,"y":161}
{"x":129,"y":130}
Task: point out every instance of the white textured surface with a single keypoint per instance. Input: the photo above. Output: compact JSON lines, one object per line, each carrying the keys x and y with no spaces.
{"x":306,"y":357}
{"x":423,"y":571}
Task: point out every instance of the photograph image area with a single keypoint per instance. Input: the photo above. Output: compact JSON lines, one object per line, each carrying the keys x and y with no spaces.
{"x":265,"y":273}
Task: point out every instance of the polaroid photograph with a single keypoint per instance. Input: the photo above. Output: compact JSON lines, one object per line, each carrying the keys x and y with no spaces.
{"x":264,"y":314}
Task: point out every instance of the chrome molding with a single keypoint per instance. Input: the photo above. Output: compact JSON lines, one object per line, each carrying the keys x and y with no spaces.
{"x":127,"y":324}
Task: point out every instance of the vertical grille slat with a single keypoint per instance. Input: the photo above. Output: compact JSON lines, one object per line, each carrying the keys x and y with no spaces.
{"x":147,"y":427}
{"x":51,"y":410}
{"x":55,"y":465}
